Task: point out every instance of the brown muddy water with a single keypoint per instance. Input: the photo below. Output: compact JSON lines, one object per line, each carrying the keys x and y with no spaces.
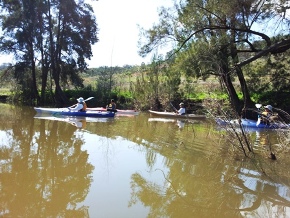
{"x":135,"y":166}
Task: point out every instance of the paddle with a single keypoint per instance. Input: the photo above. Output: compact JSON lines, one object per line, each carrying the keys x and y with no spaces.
{"x":173,"y":107}
{"x":259,"y":116}
{"x":84,"y":100}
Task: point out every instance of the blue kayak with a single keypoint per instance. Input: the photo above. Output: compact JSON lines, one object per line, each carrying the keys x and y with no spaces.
{"x":246,"y":123}
{"x":66,"y":112}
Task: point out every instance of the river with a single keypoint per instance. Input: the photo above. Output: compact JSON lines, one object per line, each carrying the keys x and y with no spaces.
{"x":135,"y":166}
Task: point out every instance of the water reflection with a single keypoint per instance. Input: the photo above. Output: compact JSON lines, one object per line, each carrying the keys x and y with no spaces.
{"x":132,"y":165}
{"x":79,"y":122}
{"x":262,"y":138}
{"x":187,"y":191}
{"x":44,"y":172}
{"x":179,"y":123}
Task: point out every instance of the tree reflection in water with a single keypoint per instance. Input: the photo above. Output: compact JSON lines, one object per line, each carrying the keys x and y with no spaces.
{"x":43,"y":173}
{"x":225,"y":187}
{"x":157,"y":168}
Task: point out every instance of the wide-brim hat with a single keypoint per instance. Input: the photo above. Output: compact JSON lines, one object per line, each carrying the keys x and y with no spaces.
{"x":181,"y":104}
{"x":269,"y":107}
{"x":80,"y":99}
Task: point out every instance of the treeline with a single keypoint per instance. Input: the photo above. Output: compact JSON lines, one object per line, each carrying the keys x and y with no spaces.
{"x":220,"y":50}
{"x":113,"y":69}
{"x":157,"y":84}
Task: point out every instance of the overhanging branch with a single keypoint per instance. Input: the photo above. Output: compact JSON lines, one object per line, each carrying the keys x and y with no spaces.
{"x":279,"y":47}
{"x":262,"y":35}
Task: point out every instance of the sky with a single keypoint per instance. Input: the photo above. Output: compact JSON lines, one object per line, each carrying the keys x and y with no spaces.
{"x":118,"y":34}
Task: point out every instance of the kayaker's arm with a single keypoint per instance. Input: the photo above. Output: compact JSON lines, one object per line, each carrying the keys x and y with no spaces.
{"x":84,"y":101}
{"x":77,"y":108}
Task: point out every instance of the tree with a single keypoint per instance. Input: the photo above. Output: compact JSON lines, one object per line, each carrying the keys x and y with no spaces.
{"x":57,"y":35}
{"x":18,"y":24}
{"x":218,"y":37}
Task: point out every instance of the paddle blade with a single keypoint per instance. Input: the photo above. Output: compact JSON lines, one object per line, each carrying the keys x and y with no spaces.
{"x":258,"y":121}
{"x":173,"y":106}
{"x":258,"y":105}
{"x":89,"y":98}
{"x":259,"y":117}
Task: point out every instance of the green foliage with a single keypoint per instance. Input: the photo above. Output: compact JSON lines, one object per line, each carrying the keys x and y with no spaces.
{"x":257,"y":76}
{"x":104,"y":86}
{"x":60,"y":41}
{"x":280,"y":71}
{"x":276,"y":99}
{"x":218,"y":38}
{"x":70,"y":73}
{"x":155,"y":85}
{"x":116,"y":69}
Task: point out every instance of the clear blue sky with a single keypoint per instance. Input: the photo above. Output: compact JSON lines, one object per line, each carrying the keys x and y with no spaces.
{"x":118,"y":33}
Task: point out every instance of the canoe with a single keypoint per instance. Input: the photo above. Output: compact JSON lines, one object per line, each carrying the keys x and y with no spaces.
{"x":66,"y":112}
{"x":176,"y":116}
{"x":247,"y":123}
{"x":119,"y":111}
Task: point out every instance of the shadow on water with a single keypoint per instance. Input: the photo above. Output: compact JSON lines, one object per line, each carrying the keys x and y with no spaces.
{"x":120,"y":167}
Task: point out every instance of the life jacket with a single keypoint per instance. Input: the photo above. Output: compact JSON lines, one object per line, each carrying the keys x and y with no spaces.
{"x":112,"y":107}
{"x":84,"y":107}
{"x":267,"y":114}
{"x":265,"y":118}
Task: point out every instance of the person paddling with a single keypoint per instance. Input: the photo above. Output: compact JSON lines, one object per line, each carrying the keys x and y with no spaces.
{"x":181,"y":110}
{"x":112,"y":106}
{"x":81,"y":106}
{"x":267,"y":115}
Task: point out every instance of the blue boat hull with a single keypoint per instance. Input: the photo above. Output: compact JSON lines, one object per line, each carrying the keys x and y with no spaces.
{"x":86,"y":114}
{"x":246,"y":123}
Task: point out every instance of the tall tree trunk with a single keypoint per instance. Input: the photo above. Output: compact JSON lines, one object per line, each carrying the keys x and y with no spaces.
{"x":234,"y":99}
{"x":226,"y":78}
{"x":60,"y":97}
{"x":44,"y":75}
{"x":244,"y":88}
{"x":34,"y":86}
{"x":44,"y":59}
{"x":246,"y":95}
{"x":28,"y":8}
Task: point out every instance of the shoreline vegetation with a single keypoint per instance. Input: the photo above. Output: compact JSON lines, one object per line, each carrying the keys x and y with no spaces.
{"x":143,"y":92}
{"x":140,"y":88}
{"x":131,"y":88}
